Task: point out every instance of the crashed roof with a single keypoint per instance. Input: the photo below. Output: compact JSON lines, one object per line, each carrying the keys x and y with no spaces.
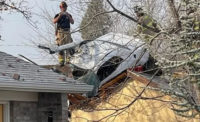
{"x":19,"y":75}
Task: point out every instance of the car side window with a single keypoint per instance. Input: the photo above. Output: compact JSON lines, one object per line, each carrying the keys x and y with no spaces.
{"x":109,"y":67}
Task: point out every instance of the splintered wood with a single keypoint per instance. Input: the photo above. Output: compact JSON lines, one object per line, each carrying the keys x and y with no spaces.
{"x":141,"y":79}
{"x":80,"y":102}
{"x":65,"y":70}
{"x":106,"y":90}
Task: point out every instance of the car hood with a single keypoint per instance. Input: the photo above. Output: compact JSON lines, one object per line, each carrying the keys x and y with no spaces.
{"x":96,"y":52}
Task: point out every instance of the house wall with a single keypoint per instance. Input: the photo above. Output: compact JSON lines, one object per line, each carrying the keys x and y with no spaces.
{"x":147,"y":110}
{"x":52,"y":106}
{"x":30,"y":109}
{"x":23,"y":111}
{"x":18,"y":96}
{"x":20,"y":106}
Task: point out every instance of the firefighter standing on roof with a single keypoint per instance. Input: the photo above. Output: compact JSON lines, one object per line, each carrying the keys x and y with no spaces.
{"x":63,"y":21}
{"x":145,"y":19}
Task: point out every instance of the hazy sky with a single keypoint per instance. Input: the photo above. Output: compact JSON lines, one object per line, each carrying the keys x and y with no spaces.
{"x":16,"y":31}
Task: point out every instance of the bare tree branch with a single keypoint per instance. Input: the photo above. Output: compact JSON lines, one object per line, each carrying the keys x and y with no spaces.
{"x":98,"y":14}
{"x":174,"y":13}
{"x":131,"y":18}
{"x":25,"y":13}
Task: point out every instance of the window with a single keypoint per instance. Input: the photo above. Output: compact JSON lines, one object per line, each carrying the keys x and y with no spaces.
{"x":109,"y":67}
{"x":4,"y":112}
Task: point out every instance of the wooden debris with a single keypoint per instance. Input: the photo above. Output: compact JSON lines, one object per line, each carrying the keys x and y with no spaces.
{"x":141,"y":79}
{"x":80,"y":102}
{"x":65,"y":70}
{"x":110,"y":85}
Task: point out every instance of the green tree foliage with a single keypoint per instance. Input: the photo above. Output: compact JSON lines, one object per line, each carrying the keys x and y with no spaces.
{"x":94,"y":27}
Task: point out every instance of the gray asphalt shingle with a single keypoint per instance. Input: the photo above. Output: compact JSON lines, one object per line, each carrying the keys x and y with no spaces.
{"x":35,"y":78}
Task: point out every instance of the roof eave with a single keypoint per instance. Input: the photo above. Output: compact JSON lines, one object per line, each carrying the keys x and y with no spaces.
{"x":68,"y":88}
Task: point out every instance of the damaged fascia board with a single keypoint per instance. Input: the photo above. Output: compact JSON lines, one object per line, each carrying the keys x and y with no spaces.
{"x":68,"y":88}
{"x":7,"y":83}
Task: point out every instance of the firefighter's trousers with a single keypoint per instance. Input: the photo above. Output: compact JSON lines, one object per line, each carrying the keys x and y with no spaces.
{"x":63,"y":37}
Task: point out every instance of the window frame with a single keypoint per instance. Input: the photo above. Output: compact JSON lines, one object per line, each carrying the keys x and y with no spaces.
{"x":6,"y":111}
